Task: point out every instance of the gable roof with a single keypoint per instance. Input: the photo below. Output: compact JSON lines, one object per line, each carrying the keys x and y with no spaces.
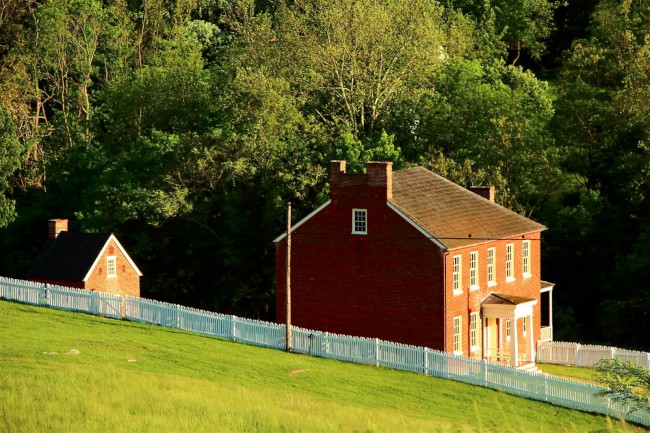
{"x":73,"y":256}
{"x":453,"y":215}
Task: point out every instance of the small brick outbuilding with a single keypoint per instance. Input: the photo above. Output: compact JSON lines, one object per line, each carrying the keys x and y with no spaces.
{"x":91,"y":261}
{"x":414,"y":258}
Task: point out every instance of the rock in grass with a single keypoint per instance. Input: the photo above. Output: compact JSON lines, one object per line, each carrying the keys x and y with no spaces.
{"x":73,"y":352}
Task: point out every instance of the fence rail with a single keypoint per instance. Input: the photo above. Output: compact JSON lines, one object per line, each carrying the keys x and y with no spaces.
{"x":584,"y":355}
{"x":558,"y":391}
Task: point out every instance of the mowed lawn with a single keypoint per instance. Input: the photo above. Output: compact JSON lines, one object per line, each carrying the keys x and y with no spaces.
{"x":139,"y":378}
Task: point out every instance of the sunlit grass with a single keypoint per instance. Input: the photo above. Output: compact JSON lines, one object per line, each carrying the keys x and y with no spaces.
{"x":139,"y":378}
{"x":584,"y":374}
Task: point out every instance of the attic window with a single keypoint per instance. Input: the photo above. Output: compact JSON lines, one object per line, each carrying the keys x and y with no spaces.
{"x":111,"y":267}
{"x":359,"y":222}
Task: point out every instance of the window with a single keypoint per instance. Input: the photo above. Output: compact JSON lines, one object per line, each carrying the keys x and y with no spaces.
{"x":111,"y":266}
{"x":457,"y":277}
{"x":491,"y":271}
{"x":525,"y":258}
{"x":473,"y":270}
{"x":509,"y":269}
{"x":473,"y":331}
{"x":359,"y":221}
{"x":508,"y":329}
{"x":458,"y":328}
{"x":525,"y":325}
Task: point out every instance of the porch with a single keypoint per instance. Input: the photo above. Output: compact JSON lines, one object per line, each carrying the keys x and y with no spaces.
{"x":504,"y":316}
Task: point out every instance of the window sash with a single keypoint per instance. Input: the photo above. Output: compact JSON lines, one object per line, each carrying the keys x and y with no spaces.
{"x":473,"y":269}
{"x":525,"y":257}
{"x":457,"y":277}
{"x":509,"y":269}
{"x":111,"y":267}
{"x":359,"y":221}
{"x":473,"y":329}
{"x":458,"y":325}
{"x":490,"y":266}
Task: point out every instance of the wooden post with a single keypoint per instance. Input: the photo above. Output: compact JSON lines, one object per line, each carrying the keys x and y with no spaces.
{"x":288,"y":291}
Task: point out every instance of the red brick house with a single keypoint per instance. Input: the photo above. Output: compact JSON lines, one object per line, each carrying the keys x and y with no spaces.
{"x":414,"y":258}
{"x":91,"y":261}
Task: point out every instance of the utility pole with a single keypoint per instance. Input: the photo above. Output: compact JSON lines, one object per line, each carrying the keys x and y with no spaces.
{"x":288,"y":292}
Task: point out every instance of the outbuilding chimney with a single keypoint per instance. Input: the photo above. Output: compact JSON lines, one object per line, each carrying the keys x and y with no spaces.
{"x":56,"y":226}
{"x":484,"y":191}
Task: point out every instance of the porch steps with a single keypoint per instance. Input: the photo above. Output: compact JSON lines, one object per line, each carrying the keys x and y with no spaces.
{"x":530,"y":368}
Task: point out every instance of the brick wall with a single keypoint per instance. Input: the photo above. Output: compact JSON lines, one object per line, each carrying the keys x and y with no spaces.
{"x":469,"y":301}
{"x":126,"y":282}
{"x":386,"y":284}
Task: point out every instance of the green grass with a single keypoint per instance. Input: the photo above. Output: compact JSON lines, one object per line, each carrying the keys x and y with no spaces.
{"x":138,"y":378}
{"x":583,"y":374}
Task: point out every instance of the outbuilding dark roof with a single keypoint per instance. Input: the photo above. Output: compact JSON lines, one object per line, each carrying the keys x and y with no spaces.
{"x":453,"y":215}
{"x":68,"y":257}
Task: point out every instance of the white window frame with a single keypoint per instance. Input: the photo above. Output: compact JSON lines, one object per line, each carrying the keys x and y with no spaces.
{"x":362,"y":227}
{"x":525,"y":258}
{"x":457,"y":274}
{"x":491,"y":267}
{"x":473,"y":270}
{"x":458,"y":332}
{"x":510,"y":270}
{"x":111,"y":271}
{"x":473,"y":332}
{"x":508,"y":329}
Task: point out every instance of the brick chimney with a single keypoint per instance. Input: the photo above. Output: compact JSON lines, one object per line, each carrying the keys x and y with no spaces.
{"x":486,"y":192}
{"x":56,"y":226}
{"x":381,"y":174}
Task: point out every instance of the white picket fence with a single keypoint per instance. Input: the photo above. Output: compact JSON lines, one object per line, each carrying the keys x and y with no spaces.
{"x":561,"y":392}
{"x":585,"y":355}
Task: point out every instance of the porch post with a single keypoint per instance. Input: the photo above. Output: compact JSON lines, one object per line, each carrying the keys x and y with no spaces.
{"x":514,"y":353}
{"x":550,"y":311}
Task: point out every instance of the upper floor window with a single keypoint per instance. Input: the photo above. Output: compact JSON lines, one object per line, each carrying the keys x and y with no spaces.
{"x":525,"y":258}
{"x":491,"y":270}
{"x":111,"y":266}
{"x":457,"y":276}
{"x":510,"y":275}
{"x":359,"y":222}
{"x":473,"y":270}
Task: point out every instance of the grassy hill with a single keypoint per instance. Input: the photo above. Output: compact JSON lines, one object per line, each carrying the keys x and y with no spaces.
{"x":131,"y":377}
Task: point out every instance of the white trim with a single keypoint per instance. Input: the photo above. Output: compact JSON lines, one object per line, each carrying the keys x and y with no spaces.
{"x":414,"y":224}
{"x":101,"y":253}
{"x":302,"y":221}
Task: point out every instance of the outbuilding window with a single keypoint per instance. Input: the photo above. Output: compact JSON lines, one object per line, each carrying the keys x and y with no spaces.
{"x":457,"y":275}
{"x":111,"y":266}
{"x":458,"y":329}
{"x":525,"y":258}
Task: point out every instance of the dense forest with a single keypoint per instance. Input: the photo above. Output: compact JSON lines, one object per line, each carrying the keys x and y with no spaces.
{"x":186,"y":126}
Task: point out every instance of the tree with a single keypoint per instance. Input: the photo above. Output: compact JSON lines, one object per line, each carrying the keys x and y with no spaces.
{"x":10,"y":159}
{"x":626,"y":383}
{"x":352,"y":59}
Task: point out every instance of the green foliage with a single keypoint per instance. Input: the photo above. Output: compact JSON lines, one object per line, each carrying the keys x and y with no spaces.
{"x":626,"y":383}
{"x":10,"y":158}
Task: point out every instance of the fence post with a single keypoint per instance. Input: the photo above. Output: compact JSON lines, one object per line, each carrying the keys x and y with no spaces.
{"x":426,"y":361}
{"x":648,"y":363}
{"x":545,"y":387}
{"x":377,"y":352}
{"x":233,"y":328}
{"x":178,"y":316}
{"x":613,"y":355}
{"x":484,"y":372}
{"x":47,"y":295}
{"x":578,"y":355}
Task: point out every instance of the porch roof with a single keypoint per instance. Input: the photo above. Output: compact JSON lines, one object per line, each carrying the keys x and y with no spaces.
{"x":503,"y":299}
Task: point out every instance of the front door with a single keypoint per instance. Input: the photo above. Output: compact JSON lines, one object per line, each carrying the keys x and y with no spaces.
{"x":491,"y":349}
